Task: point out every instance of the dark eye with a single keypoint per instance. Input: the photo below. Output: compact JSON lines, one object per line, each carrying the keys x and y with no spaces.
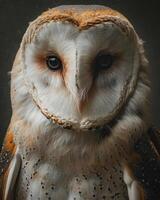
{"x":104,"y":62}
{"x":54,"y":63}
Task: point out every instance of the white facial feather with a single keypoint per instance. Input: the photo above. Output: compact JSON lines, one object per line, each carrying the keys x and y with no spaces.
{"x":77,"y":50}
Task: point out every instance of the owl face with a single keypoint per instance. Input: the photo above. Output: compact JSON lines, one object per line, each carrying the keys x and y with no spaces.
{"x":80,"y":69}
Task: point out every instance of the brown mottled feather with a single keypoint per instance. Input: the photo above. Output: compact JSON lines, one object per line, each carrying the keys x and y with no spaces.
{"x":6,"y":155}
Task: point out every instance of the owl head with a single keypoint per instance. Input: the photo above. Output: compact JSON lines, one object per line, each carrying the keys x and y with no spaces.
{"x":80,"y":68}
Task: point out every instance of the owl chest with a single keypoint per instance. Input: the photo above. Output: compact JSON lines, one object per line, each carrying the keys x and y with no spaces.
{"x":47,"y":181}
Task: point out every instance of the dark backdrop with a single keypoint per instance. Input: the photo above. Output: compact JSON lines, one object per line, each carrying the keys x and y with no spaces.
{"x":14,"y":18}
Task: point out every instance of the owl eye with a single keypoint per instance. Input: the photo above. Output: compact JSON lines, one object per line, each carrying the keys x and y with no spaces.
{"x":54,"y":63}
{"x":104,"y":62}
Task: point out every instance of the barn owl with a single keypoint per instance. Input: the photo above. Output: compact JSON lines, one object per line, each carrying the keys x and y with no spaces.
{"x":80,"y":128}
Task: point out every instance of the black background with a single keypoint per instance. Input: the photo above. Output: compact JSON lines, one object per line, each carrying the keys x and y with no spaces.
{"x":16,"y":14}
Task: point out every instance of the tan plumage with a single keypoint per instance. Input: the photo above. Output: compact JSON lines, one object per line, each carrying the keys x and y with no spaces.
{"x":77,"y":132}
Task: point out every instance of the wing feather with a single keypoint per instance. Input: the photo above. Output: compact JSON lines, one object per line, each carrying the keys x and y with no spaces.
{"x":8,"y":162}
{"x":12,"y":177}
{"x":145,"y":169}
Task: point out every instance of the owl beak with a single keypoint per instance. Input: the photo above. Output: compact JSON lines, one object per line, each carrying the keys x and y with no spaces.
{"x":81,"y":100}
{"x":83,"y":91}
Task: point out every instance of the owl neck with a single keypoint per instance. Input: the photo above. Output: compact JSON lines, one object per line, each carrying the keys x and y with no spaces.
{"x":63,"y":146}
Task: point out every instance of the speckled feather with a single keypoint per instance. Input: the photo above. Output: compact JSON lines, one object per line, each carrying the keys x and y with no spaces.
{"x":147,"y":169}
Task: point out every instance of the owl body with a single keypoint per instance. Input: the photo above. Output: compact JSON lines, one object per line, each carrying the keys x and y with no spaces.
{"x":80,"y":128}
{"x":73,"y":178}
